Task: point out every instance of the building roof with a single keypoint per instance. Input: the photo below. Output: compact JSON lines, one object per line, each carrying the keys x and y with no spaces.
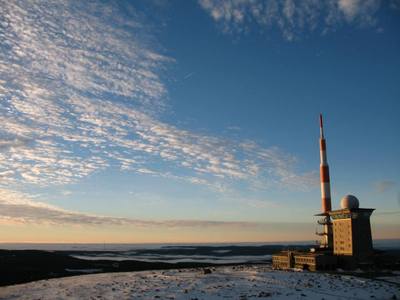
{"x":347,"y":210}
{"x":299,"y":253}
{"x":351,"y":213}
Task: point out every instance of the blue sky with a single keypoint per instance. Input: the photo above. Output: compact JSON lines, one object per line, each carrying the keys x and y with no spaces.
{"x":194,"y":121}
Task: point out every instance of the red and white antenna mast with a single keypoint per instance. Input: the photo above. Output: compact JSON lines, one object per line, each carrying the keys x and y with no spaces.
{"x":327,"y":240}
{"x":324,"y":171}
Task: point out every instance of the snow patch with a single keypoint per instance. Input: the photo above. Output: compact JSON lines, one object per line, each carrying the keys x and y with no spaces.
{"x":234,"y":282}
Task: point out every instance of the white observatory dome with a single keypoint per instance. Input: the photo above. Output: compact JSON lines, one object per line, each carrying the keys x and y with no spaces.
{"x":349,"y":202}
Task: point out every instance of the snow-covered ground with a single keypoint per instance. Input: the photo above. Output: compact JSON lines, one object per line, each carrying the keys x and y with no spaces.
{"x":239,"y":282}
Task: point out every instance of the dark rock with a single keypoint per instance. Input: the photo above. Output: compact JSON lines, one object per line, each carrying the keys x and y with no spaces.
{"x":264,"y":294}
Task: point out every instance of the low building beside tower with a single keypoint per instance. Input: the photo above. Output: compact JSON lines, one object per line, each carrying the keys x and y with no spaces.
{"x":352,"y":242}
{"x":311,"y":261}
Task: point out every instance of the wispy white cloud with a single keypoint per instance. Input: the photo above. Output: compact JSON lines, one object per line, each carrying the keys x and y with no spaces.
{"x":292,"y":18}
{"x":19,"y":208}
{"x":81,"y":91}
{"x":384,"y":185}
{"x":16,"y":142}
{"x":354,"y":8}
{"x":394,"y":4}
{"x":66,"y":193}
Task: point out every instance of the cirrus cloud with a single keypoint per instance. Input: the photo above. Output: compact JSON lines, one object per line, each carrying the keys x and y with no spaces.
{"x":83,"y":83}
{"x":292,"y":18}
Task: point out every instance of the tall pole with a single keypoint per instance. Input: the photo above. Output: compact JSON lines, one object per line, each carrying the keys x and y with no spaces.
{"x":324,"y":171}
{"x":327,"y":241}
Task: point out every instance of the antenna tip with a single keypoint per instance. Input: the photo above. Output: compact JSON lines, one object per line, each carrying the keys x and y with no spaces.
{"x":320,"y":121}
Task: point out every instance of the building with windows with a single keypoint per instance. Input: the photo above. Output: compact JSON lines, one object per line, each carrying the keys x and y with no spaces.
{"x":312,"y":261}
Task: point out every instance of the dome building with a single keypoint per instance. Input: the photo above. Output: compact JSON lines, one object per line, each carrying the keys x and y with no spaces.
{"x":352,"y":229}
{"x":349,"y":202}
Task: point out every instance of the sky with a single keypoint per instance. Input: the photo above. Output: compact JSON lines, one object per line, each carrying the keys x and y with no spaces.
{"x":195,"y":121}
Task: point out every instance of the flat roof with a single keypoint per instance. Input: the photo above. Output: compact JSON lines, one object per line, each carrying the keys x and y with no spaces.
{"x":299,"y":253}
{"x":345,"y":210}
